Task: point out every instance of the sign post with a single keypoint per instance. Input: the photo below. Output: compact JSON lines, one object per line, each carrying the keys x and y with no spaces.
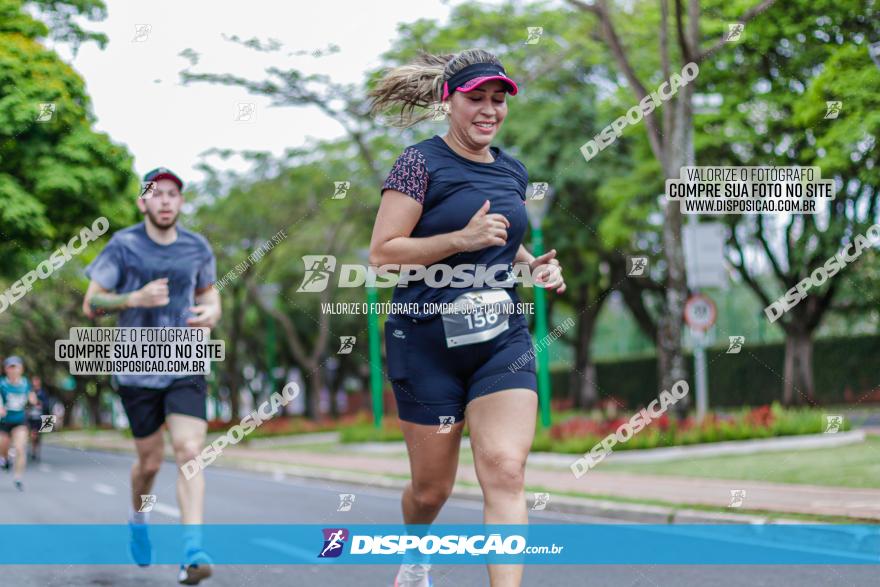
{"x":700,"y":313}
{"x":538,"y":196}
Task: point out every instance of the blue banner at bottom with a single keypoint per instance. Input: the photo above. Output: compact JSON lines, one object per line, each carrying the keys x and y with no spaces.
{"x":568,"y":544}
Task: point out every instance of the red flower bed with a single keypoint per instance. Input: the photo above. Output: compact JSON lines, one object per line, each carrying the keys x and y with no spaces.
{"x":583,"y":426}
{"x":761,"y":417}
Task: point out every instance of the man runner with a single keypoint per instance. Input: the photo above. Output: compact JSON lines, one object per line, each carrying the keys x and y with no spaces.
{"x":158,"y":274}
{"x":15,"y":393}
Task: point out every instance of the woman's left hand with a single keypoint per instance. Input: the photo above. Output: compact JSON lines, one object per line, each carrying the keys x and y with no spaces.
{"x":547,"y":272}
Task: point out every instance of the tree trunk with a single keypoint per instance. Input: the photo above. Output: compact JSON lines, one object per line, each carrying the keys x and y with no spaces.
{"x":313,"y":386}
{"x":798,"y":372}
{"x":583,"y":389}
{"x":68,"y":401}
{"x":231,"y":364}
{"x":94,"y":402}
{"x":332,"y":387}
{"x":670,"y":357}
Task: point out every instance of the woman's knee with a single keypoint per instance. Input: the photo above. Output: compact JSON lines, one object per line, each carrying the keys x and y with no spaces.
{"x":431,"y":496}
{"x":503,"y":471}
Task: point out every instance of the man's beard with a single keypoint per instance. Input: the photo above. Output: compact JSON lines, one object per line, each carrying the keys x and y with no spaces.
{"x":159,"y":224}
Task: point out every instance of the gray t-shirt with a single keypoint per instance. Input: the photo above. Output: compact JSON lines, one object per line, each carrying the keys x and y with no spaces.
{"x":132,"y":259}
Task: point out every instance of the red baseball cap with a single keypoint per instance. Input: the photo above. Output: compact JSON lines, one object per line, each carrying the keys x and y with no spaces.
{"x":163,"y":173}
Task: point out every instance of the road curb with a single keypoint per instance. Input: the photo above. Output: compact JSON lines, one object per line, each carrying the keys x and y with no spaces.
{"x":625,"y":512}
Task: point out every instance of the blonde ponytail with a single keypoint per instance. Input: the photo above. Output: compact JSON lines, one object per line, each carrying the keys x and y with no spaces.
{"x":419,"y":84}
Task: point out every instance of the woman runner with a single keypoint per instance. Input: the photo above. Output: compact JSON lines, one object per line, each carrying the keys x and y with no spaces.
{"x":458,"y":201}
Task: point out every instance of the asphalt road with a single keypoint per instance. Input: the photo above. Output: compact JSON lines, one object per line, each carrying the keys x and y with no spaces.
{"x":72,"y":486}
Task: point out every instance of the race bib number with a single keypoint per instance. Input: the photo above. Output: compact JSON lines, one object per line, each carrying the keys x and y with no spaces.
{"x":478,"y":316}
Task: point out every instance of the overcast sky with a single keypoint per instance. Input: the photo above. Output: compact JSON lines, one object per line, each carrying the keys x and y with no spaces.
{"x":135,"y":81}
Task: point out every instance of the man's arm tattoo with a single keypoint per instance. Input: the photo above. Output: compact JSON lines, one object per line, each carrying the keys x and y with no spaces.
{"x":109,"y":302}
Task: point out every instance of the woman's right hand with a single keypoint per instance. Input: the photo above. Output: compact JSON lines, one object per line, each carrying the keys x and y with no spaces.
{"x":484,"y":230}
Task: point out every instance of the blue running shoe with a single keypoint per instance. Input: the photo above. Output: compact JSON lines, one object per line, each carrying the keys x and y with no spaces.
{"x":139,"y":544}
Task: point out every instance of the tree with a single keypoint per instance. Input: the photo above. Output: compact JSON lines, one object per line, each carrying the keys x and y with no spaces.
{"x":296,"y":200}
{"x":671,"y":142}
{"x":801,"y":61}
{"x":56,"y":173}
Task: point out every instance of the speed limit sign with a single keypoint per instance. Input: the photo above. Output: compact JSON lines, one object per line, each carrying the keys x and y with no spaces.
{"x":700,"y":312}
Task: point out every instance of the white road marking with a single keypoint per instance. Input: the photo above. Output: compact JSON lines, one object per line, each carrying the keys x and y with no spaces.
{"x":44,"y":468}
{"x":69,"y":477}
{"x":105,"y":489}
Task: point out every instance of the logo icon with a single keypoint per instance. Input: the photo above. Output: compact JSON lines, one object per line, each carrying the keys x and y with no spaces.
{"x":141,"y":32}
{"x":47,"y":111}
{"x":147,"y":503}
{"x":148,"y":191}
{"x":346,"y":345}
{"x":47,"y":423}
{"x":446,"y":423}
{"x":334,"y":541}
{"x":541,"y":501}
{"x":737,"y":497}
{"x":398,"y":333}
{"x":734,"y":31}
{"x":346,"y":500}
{"x":318,"y":271}
{"x":832,"y":109}
{"x":539,"y":190}
{"x":736,"y":344}
{"x":340,"y":189}
{"x":245,"y":112}
{"x":534,"y":33}
{"x":636,"y":266}
{"x":833,"y":422}
{"x":441,"y":111}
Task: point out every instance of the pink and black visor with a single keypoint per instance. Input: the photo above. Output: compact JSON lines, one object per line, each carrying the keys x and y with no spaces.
{"x":475,"y":75}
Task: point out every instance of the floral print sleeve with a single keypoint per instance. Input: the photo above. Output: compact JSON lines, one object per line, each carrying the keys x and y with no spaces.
{"x":409,"y":175}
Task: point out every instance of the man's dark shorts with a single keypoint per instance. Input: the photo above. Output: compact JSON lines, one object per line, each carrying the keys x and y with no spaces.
{"x":34,"y":423}
{"x":146,"y":408}
{"x":8,"y":427}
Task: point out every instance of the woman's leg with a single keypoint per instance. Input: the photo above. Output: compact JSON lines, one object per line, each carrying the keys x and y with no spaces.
{"x":502,"y":427}
{"x":433,"y":462}
{"x":4,"y":445}
{"x":19,"y":441}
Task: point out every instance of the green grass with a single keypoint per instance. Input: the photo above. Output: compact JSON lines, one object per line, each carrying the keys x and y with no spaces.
{"x":813,"y":518}
{"x":854,"y":465}
{"x":807,"y":518}
{"x":322,"y":447}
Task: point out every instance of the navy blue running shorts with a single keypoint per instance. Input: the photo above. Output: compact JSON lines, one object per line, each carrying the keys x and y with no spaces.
{"x":146,"y":407}
{"x":432,"y":382}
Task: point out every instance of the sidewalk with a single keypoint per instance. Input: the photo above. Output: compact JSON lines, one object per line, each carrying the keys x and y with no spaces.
{"x":677,"y":493}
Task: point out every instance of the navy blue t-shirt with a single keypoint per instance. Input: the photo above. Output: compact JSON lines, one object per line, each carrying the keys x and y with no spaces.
{"x":132,"y":259}
{"x":451,"y":189}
